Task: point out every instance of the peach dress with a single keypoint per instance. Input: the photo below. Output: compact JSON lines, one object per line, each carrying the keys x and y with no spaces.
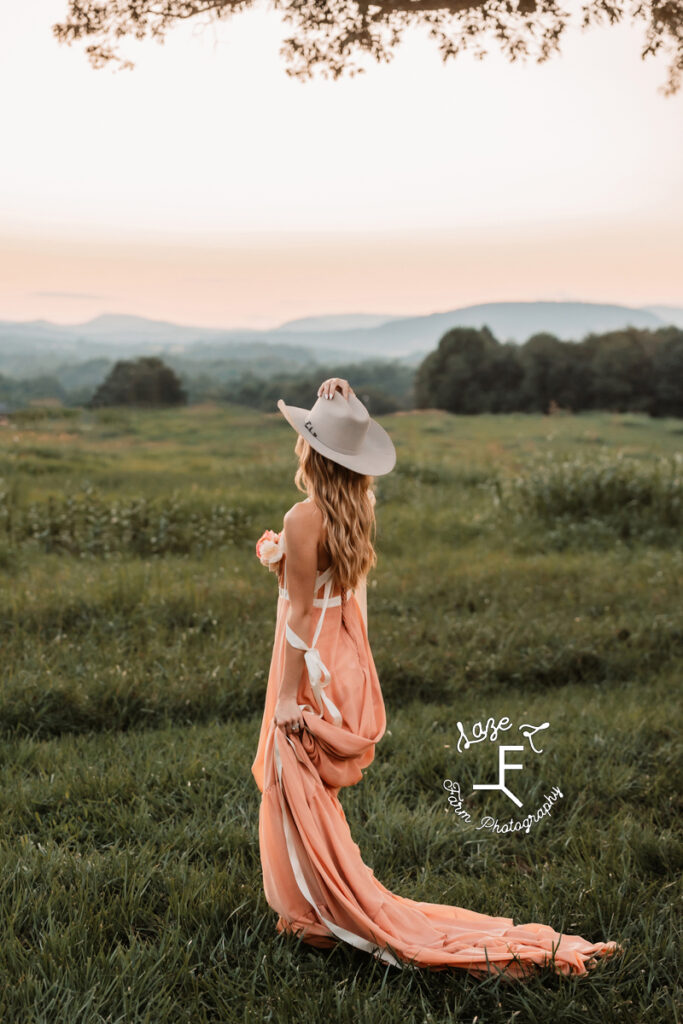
{"x":313,"y":875}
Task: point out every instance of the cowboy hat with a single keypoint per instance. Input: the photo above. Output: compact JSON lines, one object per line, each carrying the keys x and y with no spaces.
{"x":343,"y":430}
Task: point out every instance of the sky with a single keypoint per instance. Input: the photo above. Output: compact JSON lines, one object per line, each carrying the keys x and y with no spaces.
{"x":207,"y":187}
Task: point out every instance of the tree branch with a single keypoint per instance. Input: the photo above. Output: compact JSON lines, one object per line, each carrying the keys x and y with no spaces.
{"x":331,"y":35}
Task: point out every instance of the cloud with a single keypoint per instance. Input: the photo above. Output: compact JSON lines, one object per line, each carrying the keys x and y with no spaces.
{"x":67,"y":295}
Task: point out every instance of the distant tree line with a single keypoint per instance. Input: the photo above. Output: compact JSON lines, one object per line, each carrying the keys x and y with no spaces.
{"x":17,"y":394}
{"x":469,"y":371}
{"x":146,"y":382}
{"x":382,"y":385}
{"x":630,"y":370}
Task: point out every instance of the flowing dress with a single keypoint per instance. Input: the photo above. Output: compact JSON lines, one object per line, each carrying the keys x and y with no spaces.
{"x":314,"y":877}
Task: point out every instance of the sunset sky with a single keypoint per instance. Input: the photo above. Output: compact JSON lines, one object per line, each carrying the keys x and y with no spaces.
{"x":207,"y":187}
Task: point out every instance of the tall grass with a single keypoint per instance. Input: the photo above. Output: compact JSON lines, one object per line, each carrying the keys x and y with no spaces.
{"x":87,"y":523}
{"x":599,"y":500}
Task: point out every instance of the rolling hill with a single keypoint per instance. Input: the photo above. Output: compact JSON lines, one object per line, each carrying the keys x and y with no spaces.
{"x":33,"y":348}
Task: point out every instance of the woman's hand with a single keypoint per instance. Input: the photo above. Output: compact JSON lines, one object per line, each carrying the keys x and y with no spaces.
{"x":287,"y":713}
{"x":329,"y":386}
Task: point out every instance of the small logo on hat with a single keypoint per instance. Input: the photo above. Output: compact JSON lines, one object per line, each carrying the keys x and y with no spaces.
{"x":309,"y":426}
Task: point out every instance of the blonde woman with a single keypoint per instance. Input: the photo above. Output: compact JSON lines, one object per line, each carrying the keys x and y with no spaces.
{"x":324,"y":714}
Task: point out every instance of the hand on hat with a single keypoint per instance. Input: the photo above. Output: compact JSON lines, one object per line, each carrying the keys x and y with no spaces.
{"x":329,"y":386}
{"x":343,"y":431}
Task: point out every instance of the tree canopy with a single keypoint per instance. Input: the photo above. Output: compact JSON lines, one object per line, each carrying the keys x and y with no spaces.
{"x":628,"y":370}
{"x":145,"y":382}
{"x":334,"y":36}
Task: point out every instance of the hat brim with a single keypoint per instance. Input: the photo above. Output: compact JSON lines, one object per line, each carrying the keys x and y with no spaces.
{"x":376,"y":457}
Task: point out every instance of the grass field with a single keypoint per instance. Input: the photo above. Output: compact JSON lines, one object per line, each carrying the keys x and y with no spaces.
{"x":529,"y":567}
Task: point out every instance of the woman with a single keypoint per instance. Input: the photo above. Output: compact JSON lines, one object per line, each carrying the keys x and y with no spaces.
{"x":324,"y":713}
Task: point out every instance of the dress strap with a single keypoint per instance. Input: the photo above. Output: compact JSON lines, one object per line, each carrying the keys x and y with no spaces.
{"x":323,"y":577}
{"x":318,"y":673}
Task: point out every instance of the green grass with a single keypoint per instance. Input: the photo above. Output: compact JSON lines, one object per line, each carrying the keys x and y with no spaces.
{"x":513,"y":579}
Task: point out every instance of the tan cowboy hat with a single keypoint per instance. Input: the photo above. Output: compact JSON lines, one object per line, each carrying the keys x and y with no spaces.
{"x":343,"y":430}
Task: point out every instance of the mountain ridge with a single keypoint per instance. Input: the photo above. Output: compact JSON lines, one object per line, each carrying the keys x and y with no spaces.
{"x":334,"y":323}
{"x":29,"y":348}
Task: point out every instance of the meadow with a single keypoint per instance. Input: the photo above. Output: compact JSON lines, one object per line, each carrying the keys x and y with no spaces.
{"x":528,"y":566}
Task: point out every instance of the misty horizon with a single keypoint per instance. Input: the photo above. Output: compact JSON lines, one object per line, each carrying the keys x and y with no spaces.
{"x":352,"y":320}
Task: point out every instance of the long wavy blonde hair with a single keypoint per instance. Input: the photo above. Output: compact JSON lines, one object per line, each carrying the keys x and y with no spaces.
{"x":347,"y":503}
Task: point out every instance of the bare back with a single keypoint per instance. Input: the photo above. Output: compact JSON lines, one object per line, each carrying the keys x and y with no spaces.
{"x":324,"y":561}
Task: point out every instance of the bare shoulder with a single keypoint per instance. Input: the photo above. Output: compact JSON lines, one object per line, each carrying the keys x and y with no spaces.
{"x":302,"y":524}
{"x":304,"y":512}
{"x":304,"y":519}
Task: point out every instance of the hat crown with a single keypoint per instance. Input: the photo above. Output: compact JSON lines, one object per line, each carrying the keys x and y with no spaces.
{"x":339,"y":423}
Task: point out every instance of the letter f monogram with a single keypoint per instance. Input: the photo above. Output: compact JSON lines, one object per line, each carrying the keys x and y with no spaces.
{"x":502,"y":765}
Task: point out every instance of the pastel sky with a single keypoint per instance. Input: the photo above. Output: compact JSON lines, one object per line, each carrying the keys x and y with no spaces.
{"x":208,"y":187}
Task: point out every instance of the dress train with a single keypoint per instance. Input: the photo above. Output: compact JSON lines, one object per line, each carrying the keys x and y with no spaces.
{"x":313,"y":874}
